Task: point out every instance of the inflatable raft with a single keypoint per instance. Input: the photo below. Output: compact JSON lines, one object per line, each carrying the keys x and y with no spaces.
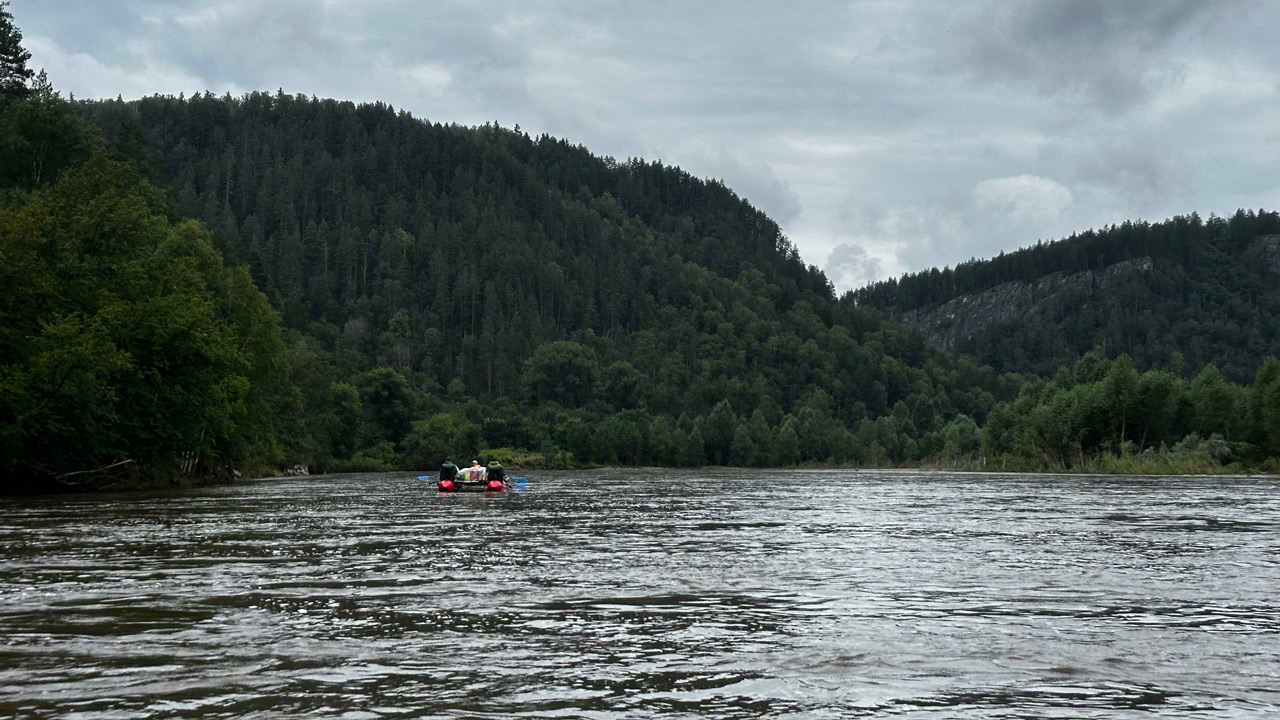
{"x":448,"y":486}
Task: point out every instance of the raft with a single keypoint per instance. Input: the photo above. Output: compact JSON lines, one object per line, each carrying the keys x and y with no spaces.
{"x":448,"y":486}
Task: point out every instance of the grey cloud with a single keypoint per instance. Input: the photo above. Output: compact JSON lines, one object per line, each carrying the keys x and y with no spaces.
{"x":102,"y":29}
{"x":917,"y":132}
{"x":757,"y":183}
{"x":1098,"y":24}
{"x":330,"y":47}
{"x":848,"y":266}
{"x":272,"y":41}
{"x":1112,"y":53}
{"x":1135,"y":170}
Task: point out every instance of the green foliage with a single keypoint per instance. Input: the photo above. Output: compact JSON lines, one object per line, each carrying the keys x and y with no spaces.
{"x":1102,"y":416}
{"x":388,"y":402}
{"x":341,"y":420}
{"x":1155,"y":414}
{"x":1120,"y":398}
{"x":1175,"y":295}
{"x":622,"y":438}
{"x":787,"y":448}
{"x":440,"y":436}
{"x":14,"y":73}
{"x":961,"y":438}
{"x":556,"y":301}
{"x":125,"y":341}
{"x":718,"y":430}
{"x":562,"y":372}
{"x":1266,"y":406}
{"x":41,"y":136}
{"x":1213,"y":402}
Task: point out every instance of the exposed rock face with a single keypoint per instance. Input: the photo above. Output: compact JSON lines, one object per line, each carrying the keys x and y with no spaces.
{"x":1269,"y":253}
{"x":1049,"y":298}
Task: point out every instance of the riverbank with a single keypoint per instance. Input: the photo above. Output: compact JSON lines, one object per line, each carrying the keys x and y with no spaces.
{"x":1166,"y":463}
{"x":517,"y":462}
{"x":1159,"y":462}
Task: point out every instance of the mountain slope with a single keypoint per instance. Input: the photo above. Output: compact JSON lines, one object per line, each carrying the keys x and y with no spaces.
{"x":1178,"y":295}
{"x":502,"y":276}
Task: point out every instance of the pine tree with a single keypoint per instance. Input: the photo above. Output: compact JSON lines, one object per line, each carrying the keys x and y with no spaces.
{"x":14,"y":72}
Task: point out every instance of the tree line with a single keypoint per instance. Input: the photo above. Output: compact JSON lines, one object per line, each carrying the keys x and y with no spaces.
{"x":1105,"y":408}
{"x":1209,"y":296}
{"x":482,"y":278}
{"x":128,"y":348}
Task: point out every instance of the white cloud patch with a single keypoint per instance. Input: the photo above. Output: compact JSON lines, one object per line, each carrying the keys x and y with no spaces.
{"x":430,"y":78}
{"x":1022,"y":197}
{"x":196,"y":20}
{"x":849,"y":266}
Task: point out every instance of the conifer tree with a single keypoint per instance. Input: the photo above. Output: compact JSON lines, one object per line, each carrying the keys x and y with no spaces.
{"x":14,"y":72}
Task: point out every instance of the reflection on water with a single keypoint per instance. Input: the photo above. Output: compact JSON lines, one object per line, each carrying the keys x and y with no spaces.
{"x":633,"y":594}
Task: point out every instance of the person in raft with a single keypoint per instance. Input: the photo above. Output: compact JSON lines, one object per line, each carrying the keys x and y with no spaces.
{"x":495,"y":472}
{"x":448,"y":471}
{"x":475,"y":473}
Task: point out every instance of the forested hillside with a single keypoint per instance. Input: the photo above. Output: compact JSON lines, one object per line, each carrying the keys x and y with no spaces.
{"x":1176,"y":295}
{"x":452,"y":289}
{"x":128,"y":349}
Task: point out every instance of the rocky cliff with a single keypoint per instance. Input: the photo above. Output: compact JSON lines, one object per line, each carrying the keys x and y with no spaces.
{"x":1268,"y":253}
{"x":1048,"y":299}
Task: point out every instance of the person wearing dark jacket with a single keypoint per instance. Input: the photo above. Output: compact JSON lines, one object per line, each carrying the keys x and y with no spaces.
{"x":496,"y":472}
{"x":448,"y":471}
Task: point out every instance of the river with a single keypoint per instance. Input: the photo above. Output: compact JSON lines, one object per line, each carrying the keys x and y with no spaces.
{"x":649,"y":594}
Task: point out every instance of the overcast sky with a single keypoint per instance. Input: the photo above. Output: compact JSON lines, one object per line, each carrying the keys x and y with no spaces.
{"x":883,"y":135}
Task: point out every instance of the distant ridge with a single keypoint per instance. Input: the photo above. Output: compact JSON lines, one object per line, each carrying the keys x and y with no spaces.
{"x":1176,"y":294}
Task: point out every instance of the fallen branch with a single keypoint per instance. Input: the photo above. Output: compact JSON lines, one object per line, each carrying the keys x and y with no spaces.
{"x":63,"y":478}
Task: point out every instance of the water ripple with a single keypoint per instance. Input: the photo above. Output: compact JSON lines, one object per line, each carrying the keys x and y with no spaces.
{"x":644,"y":594}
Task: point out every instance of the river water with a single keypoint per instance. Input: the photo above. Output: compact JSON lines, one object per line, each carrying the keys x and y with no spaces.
{"x":648,"y":594}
